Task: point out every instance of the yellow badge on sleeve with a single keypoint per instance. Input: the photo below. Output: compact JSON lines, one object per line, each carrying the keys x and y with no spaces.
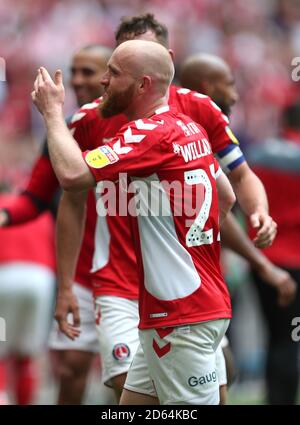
{"x":231,"y":135}
{"x":101,"y":157}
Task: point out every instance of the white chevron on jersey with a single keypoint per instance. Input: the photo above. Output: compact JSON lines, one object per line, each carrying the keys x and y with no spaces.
{"x":183,"y":91}
{"x":215,"y":105}
{"x":119,"y":150}
{"x":91,"y":105}
{"x":202,"y":96}
{"x":225,"y":118}
{"x":131,"y":138}
{"x":141,"y":125}
{"x":77,"y":117}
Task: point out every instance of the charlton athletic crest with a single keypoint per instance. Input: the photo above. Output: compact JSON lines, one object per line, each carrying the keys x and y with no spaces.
{"x":121,"y":352}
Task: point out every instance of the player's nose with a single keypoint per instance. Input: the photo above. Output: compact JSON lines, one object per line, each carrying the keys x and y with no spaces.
{"x":104,"y":79}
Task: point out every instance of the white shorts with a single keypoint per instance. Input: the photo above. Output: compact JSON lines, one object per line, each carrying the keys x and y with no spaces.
{"x":221,"y":366}
{"x":88,"y":339}
{"x":26,"y":305}
{"x":118,"y":334}
{"x":178,"y":365}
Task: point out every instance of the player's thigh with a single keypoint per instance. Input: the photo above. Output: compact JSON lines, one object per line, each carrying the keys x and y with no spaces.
{"x":221,"y":366}
{"x":133,"y":398}
{"x":182,"y":362}
{"x":117,"y":324}
{"x":138,"y":382}
{"x":72,"y":363}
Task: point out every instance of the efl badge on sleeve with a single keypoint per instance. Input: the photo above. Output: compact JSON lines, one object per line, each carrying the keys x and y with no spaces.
{"x":101,"y":157}
{"x":231,"y":135}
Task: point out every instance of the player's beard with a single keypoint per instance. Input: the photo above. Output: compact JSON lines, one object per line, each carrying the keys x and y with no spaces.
{"x":116,"y":103}
{"x":225,"y":108}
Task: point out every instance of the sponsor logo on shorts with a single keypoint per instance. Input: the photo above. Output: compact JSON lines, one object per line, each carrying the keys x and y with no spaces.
{"x":193,"y":381}
{"x":121,"y":352}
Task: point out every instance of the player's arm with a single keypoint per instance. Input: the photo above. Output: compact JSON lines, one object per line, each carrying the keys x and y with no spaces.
{"x":234,"y":237}
{"x":37,"y":196}
{"x":250,"y":193}
{"x":252,"y":198}
{"x":226,"y":196}
{"x":247,"y":186}
{"x":70,"y":168}
{"x":69,"y":233}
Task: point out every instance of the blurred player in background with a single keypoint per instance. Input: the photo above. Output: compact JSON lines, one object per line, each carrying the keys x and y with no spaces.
{"x":210,"y":75}
{"x":27,"y":286}
{"x":72,"y":359}
{"x":114,"y":262}
{"x":277,"y":163}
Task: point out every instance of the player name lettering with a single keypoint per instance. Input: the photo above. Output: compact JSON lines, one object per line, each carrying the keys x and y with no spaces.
{"x":195,"y":150}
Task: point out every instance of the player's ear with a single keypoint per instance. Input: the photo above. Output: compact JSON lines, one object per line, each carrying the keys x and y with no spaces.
{"x":145,"y":83}
{"x":172,"y":54}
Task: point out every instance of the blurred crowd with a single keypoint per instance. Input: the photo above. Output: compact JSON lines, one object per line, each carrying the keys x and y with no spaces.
{"x":258,"y":39}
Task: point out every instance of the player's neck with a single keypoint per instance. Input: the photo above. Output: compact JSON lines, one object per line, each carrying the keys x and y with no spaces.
{"x":146,"y":109}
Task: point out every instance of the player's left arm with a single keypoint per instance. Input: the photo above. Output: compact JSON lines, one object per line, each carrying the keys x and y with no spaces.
{"x":66,"y":157}
{"x":249,"y":190}
{"x":253,"y":200}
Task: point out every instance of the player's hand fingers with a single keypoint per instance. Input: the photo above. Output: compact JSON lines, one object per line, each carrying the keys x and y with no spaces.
{"x":266,"y":233}
{"x":45,"y":74}
{"x":33,"y":96}
{"x":254,"y":220}
{"x":76,"y":316}
{"x":265,"y":240}
{"x":71,"y":332}
{"x":36,"y":83}
{"x":40,"y":81}
{"x":58,"y":77}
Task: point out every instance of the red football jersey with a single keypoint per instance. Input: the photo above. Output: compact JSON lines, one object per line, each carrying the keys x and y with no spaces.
{"x":37,"y":198}
{"x":32,"y":242}
{"x":114,"y":264}
{"x":175,"y":229}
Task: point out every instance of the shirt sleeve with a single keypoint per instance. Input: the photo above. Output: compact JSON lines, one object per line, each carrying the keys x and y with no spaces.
{"x":223,"y":141}
{"x":133,"y":151}
{"x":218,"y":169}
{"x":38,"y":194}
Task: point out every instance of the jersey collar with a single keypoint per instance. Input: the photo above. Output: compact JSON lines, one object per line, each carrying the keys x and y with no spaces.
{"x":162,"y":110}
